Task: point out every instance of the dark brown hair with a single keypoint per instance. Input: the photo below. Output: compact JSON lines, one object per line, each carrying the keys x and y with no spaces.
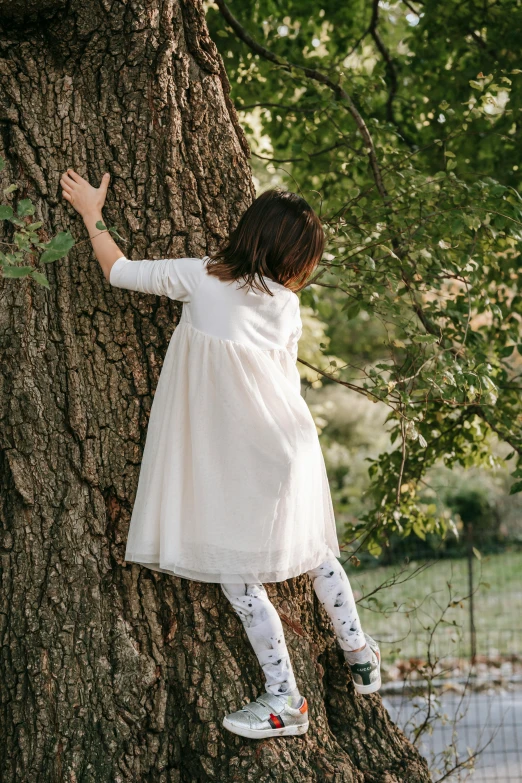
{"x":279,"y":236}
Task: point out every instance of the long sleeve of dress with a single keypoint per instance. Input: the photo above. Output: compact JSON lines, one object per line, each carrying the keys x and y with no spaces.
{"x":176,"y":278}
{"x":291,"y":347}
{"x":293,"y":340}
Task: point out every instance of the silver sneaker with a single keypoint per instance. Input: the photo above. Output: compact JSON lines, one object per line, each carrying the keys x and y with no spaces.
{"x":268,"y":716}
{"x":367,"y":676}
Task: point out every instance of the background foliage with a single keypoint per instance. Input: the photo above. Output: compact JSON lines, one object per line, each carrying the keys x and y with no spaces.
{"x":404,"y":133}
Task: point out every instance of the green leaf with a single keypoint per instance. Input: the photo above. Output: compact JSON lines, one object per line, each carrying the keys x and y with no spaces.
{"x":390,"y":252}
{"x":40,"y":278}
{"x":516,"y":487}
{"x":417,"y":529}
{"x":58,"y":247}
{"x":100,"y":225}
{"x":25,"y":207}
{"x":353,"y":310}
{"x":424,"y":338}
{"x":6,"y":212}
{"x":113,"y":231}
{"x":375,"y":549}
{"x":16,"y":271}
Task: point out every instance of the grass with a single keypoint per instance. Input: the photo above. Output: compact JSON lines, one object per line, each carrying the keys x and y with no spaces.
{"x":429,"y":598}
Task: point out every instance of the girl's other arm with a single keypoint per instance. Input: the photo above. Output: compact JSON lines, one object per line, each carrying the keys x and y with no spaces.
{"x":88,"y":201}
{"x":291,"y":347}
{"x":295,"y":335}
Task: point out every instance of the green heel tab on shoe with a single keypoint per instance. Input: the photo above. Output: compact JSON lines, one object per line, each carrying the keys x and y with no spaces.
{"x":364,"y":670}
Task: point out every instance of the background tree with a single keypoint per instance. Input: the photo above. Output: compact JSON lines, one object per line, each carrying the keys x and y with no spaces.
{"x":112,"y":672}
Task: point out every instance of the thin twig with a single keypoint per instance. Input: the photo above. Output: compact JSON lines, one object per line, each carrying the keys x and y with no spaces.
{"x":310,"y":154}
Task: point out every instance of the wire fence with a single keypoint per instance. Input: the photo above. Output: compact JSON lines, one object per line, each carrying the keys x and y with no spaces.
{"x":449,"y":625}
{"x":484,"y":727}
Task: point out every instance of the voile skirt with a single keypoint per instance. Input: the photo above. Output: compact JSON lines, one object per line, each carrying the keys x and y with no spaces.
{"x":233,"y":484}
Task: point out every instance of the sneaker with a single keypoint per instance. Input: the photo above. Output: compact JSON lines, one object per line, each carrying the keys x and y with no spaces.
{"x":268,"y":716}
{"x":367,"y":676}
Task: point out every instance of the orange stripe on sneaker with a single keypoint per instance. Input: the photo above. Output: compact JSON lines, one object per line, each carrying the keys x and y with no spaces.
{"x":304,"y":706}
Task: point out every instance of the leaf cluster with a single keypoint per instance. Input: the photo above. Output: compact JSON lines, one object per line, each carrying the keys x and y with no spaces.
{"x":29,"y":249}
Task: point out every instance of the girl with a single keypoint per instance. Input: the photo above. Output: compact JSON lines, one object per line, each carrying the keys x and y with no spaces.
{"x":233,"y":486}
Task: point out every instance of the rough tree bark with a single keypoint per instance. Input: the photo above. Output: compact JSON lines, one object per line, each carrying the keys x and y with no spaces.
{"x":111,"y":672}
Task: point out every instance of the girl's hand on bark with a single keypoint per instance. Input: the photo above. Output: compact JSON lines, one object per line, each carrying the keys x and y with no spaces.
{"x":84,"y":197}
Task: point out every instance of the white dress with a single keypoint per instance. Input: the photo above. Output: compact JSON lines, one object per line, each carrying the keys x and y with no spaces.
{"x":233,"y":484}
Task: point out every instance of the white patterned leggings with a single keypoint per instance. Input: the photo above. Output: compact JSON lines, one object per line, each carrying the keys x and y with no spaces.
{"x":265,"y":631}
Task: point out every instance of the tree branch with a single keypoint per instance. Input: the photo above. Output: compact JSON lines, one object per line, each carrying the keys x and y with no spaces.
{"x":507,"y":438}
{"x":390,"y":71}
{"x":352,"y":386}
{"x":310,"y":154}
{"x":315,"y":75}
{"x":279,"y":106}
{"x":390,"y":65}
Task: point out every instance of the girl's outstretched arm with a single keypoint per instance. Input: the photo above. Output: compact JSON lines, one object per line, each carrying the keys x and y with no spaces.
{"x":88,"y":201}
{"x":176,"y":278}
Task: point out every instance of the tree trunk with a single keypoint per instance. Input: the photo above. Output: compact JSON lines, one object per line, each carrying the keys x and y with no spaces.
{"x":110,"y":671}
